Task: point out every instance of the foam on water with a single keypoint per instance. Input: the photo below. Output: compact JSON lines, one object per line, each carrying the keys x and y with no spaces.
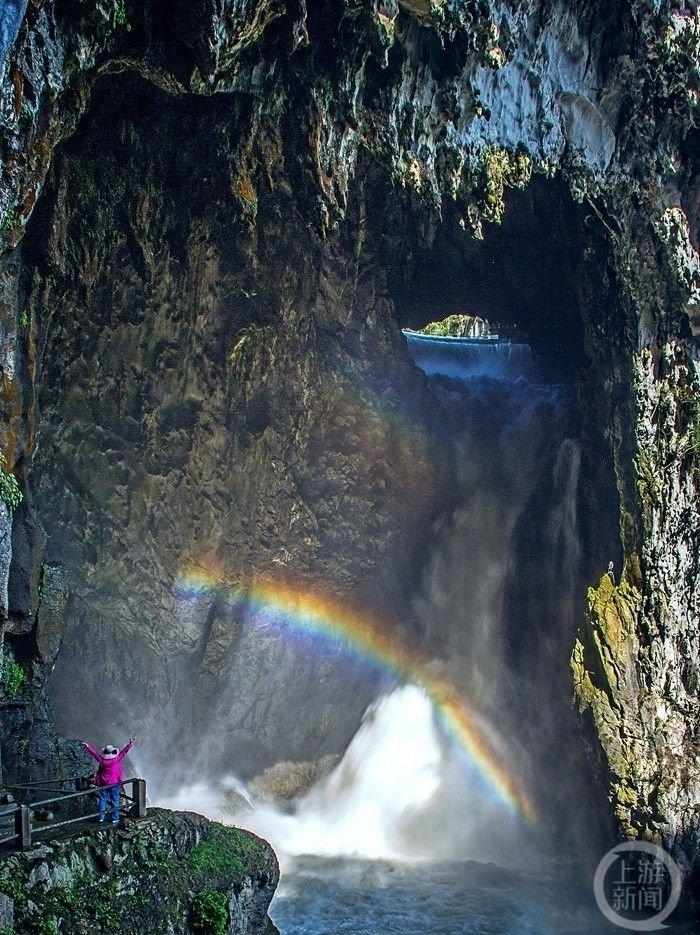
{"x":359,"y":897}
{"x":401,"y":791}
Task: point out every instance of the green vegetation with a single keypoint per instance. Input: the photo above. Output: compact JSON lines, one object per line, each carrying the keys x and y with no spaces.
{"x":169,"y":888}
{"x":24,"y":318}
{"x":494,"y":57}
{"x":120,"y":17}
{"x":210,"y":913}
{"x":9,"y":220}
{"x":89,"y":902}
{"x":13,"y":886}
{"x":691,"y":413}
{"x":648,"y":469}
{"x":502,"y":169}
{"x":694,"y":434}
{"x":9,"y":488}
{"x":454,"y":326}
{"x":12,"y":675}
{"x":227,"y":852}
{"x":386,"y":28}
{"x":690,"y":408}
{"x":158,"y":859}
{"x":489,"y":38}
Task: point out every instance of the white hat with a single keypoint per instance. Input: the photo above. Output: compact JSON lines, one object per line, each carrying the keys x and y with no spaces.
{"x":109,"y":752}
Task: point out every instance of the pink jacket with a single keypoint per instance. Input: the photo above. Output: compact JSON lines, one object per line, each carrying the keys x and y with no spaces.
{"x":109,"y":769}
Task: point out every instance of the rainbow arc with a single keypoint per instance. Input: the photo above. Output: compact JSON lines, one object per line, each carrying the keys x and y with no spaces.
{"x":308,"y":613}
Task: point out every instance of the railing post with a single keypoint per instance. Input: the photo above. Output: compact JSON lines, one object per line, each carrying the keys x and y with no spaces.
{"x":139,"y":796}
{"x":23,"y":828}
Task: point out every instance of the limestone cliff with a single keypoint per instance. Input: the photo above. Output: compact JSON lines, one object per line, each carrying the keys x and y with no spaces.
{"x":201,"y":296}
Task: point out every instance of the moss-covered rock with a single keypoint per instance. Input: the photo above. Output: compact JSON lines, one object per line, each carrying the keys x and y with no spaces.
{"x":457,"y":326}
{"x":643,"y":738}
{"x":172,"y":871}
{"x":288,"y":780}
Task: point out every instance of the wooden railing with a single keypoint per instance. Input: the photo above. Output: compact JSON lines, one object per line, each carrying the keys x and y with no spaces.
{"x":19,"y":824}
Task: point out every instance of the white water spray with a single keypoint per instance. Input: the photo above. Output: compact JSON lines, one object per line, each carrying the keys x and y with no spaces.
{"x":390,"y":770}
{"x":400,"y":792}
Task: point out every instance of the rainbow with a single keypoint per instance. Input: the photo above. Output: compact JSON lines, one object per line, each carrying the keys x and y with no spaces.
{"x":317,"y":615}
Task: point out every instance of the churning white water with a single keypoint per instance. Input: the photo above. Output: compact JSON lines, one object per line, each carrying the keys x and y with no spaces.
{"x":402,"y":791}
{"x":390,"y":770}
{"x":348,"y":850}
{"x":381,"y":801}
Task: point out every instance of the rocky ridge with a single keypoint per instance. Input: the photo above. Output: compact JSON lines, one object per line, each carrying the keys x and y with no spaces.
{"x":171,"y":871}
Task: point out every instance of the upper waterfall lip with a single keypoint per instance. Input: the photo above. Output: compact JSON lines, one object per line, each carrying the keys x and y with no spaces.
{"x":461,"y":358}
{"x":450,"y":339}
{"x":491,"y":341}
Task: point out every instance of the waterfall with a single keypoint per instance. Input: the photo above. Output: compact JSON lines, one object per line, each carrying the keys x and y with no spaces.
{"x":459,"y":357}
{"x":563,"y":521}
{"x":498,"y":601}
{"x":490,"y":618}
{"x":400,"y":792}
{"x":390,"y":771}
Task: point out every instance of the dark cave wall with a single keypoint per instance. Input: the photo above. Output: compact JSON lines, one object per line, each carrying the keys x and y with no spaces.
{"x":450,"y":101}
{"x":217,"y":395}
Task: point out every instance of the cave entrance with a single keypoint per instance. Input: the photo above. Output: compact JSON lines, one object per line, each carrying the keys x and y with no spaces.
{"x":541,"y":278}
{"x":221,"y":396}
{"x":500,"y":328}
{"x":524,"y":276}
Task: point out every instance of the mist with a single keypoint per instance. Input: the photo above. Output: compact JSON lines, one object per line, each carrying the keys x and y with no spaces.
{"x":490,"y":623}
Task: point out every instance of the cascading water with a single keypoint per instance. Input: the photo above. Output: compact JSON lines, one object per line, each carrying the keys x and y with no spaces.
{"x":405,"y":790}
{"x":498,"y":597}
{"x":457,"y":357}
{"x":390,"y":771}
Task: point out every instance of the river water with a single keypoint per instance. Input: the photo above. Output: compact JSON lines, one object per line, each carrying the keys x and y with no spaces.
{"x":359,"y":897}
{"x":360,"y":853}
{"x":364,"y":850}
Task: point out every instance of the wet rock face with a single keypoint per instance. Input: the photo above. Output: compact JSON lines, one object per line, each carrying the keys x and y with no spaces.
{"x":202,"y":368}
{"x":637,"y":659}
{"x":227,"y":399}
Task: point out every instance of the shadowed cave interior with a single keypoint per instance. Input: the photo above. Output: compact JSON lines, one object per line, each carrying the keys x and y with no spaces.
{"x":160,"y":439}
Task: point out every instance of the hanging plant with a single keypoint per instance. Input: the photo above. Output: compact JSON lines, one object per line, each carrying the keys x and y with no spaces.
{"x":12,"y":675}
{"x":9,"y":488}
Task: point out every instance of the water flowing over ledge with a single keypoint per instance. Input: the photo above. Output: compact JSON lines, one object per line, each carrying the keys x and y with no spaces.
{"x":461,"y":357}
